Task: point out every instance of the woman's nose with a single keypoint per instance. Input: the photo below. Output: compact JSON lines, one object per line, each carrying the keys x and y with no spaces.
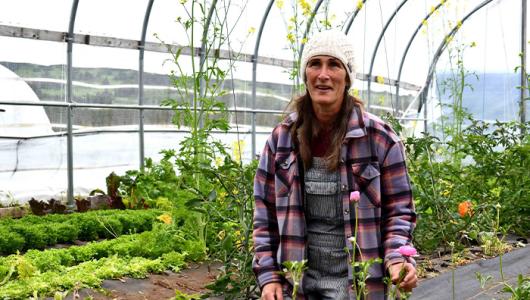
{"x":323,"y":73}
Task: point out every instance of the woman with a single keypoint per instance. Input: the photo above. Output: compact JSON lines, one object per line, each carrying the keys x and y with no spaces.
{"x":327,"y":148}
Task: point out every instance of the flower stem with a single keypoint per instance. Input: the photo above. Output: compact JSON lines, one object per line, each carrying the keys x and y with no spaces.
{"x":500,"y":267}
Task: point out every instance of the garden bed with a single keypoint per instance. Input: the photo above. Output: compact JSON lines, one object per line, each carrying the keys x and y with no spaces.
{"x":190,"y":281}
{"x":434,"y":283}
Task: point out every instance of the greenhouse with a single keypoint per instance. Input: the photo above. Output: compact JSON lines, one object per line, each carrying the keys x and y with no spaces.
{"x":142,"y":155}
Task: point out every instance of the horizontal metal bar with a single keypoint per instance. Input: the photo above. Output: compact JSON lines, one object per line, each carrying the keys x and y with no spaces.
{"x":113,"y":42}
{"x":104,"y":41}
{"x":97,"y":131}
{"x":149,"y":107}
{"x":137,"y":107}
{"x":388,"y":81}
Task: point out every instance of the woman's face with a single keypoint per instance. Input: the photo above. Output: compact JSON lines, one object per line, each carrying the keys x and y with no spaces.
{"x":326,"y":82}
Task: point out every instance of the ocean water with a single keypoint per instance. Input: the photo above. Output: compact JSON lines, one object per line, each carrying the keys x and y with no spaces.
{"x":491,"y":96}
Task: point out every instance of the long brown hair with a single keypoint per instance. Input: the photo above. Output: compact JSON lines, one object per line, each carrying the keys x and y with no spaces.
{"x":307,"y":127}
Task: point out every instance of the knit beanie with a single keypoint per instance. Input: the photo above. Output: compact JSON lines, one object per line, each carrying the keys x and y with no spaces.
{"x":330,"y":43}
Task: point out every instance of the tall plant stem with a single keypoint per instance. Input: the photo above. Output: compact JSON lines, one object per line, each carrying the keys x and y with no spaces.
{"x":435,"y":193}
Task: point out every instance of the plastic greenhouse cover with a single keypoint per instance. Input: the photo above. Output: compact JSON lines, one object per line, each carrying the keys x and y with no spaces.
{"x":494,"y":32}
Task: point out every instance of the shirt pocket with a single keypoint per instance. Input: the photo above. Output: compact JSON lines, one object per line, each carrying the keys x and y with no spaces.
{"x":367,"y":180}
{"x":286,"y":172}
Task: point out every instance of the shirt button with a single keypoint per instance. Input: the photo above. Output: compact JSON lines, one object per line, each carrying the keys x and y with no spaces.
{"x":346,"y":211}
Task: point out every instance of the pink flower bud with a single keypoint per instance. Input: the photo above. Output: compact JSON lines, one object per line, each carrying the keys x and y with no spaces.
{"x":408,"y":251}
{"x":355,"y":196}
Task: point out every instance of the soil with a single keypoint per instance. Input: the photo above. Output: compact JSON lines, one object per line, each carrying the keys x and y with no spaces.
{"x":191,"y":280}
{"x":440,"y":262}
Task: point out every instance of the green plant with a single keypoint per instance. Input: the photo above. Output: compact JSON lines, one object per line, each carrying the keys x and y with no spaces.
{"x":483,"y":279}
{"x":182,"y":296}
{"x":495,"y":160}
{"x":359,"y":265}
{"x":10,"y":241}
{"x":295,"y":271}
{"x":521,"y":290}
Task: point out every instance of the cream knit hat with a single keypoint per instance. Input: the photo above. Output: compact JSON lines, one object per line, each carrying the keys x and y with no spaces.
{"x":331,"y":43}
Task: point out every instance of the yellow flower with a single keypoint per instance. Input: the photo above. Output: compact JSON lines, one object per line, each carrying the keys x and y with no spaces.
{"x":251,"y":30}
{"x":218,"y":161}
{"x":279,"y":4}
{"x":355,"y":93}
{"x":237,"y":149}
{"x":306,"y":8}
{"x":448,"y":39}
{"x":424,"y":22}
{"x":459,"y":24}
{"x":359,"y":4}
{"x":380,"y":79}
{"x":433,"y":8}
{"x":290,"y":38}
{"x":473,"y":44}
{"x":166,"y":218}
{"x":304,"y":40}
{"x":183,"y":1}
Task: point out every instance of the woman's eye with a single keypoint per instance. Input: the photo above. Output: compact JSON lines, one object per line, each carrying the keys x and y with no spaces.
{"x":334,"y":64}
{"x":312,"y":63}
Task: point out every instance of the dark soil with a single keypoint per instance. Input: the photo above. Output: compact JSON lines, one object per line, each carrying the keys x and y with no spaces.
{"x":191,"y":280}
{"x":440,"y":262}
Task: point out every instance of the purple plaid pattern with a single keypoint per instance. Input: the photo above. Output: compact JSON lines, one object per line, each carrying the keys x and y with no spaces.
{"x":385,"y":212}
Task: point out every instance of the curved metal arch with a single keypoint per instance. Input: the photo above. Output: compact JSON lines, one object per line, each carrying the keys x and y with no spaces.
{"x":203,"y":43}
{"x":306,"y":33}
{"x":425,"y":90}
{"x":374,"y":53}
{"x":254,"y":71}
{"x":398,"y":80}
{"x":69,"y":136}
{"x":141,"y":48}
{"x":308,"y":27}
{"x":352,"y":18}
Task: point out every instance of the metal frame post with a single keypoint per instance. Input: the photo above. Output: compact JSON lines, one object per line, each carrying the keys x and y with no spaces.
{"x":524,"y":84}
{"x":374,"y":53}
{"x":69,"y":137}
{"x":443,"y":45}
{"x":141,"y":48}
{"x":401,"y":64}
{"x":254,"y":71}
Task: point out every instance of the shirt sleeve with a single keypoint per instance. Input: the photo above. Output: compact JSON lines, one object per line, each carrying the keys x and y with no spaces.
{"x":398,"y":213}
{"x":265,"y":234}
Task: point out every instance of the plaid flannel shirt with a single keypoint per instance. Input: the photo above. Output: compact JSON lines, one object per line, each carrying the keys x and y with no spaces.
{"x":373,"y":163}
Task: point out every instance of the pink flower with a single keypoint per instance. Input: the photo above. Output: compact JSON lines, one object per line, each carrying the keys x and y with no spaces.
{"x":355,"y":196}
{"x":408,"y":251}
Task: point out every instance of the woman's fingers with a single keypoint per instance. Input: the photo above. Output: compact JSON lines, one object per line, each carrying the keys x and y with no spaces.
{"x":410,"y":280}
{"x":272,"y":291}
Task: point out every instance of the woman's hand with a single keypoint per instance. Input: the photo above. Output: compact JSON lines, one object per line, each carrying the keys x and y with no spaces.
{"x":410,"y":280}
{"x":272,"y":291}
